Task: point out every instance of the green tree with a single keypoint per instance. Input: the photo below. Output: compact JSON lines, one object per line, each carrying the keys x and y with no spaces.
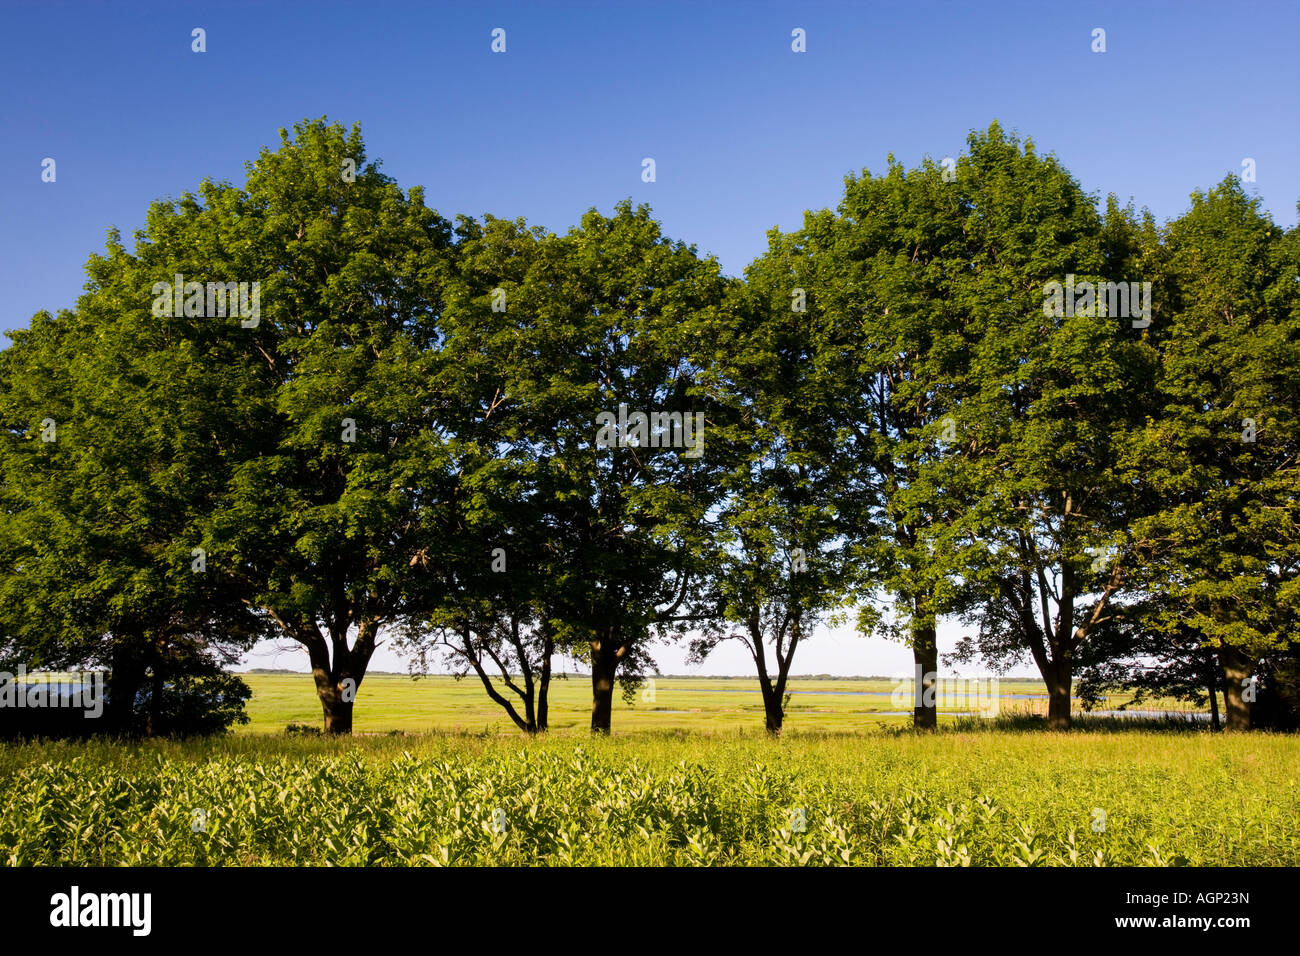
{"x":305,"y":431}
{"x":104,"y":485}
{"x":584,"y":323}
{"x":349,"y":459}
{"x":894,"y":249}
{"x":492,"y":610}
{"x":1051,"y":384}
{"x":1151,"y":663}
{"x":1221,"y":446}
{"x":791,"y":499}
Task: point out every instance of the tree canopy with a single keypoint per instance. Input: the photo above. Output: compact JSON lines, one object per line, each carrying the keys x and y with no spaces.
{"x":312,"y":407}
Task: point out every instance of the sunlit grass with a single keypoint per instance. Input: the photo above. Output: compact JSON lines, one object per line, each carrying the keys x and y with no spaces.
{"x":388,"y":702}
{"x":890,"y":797}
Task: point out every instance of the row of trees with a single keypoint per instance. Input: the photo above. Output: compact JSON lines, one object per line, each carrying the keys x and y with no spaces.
{"x":896,"y":427}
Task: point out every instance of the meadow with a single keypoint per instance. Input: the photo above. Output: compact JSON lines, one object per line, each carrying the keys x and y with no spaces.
{"x":389,"y":702}
{"x":961,"y":797}
{"x":855,"y":788}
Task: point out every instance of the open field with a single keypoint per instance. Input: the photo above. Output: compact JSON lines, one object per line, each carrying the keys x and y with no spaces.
{"x":988,"y":797}
{"x":437,"y":776}
{"x":388,"y":702}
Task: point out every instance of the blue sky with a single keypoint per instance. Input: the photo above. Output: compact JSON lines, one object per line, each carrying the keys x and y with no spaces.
{"x":745,"y":133}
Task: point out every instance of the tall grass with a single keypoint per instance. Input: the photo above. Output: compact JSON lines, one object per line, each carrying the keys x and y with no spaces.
{"x":993,"y":797}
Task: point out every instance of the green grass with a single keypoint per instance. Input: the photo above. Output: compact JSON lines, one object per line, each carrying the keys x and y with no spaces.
{"x":989,"y":797}
{"x":712,"y":705}
{"x":437,"y":775}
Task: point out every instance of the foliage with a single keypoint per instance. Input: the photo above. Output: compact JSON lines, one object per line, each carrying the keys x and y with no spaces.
{"x":995,"y":799}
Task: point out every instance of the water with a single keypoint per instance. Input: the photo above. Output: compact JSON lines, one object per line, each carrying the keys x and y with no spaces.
{"x":828,"y":693}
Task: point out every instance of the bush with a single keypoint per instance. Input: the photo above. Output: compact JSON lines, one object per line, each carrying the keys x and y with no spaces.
{"x":201,"y":700}
{"x":205,"y":700}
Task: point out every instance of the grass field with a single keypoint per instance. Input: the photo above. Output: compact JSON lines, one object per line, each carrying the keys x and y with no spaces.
{"x":981,"y":797}
{"x":436,"y":776}
{"x":388,"y":702}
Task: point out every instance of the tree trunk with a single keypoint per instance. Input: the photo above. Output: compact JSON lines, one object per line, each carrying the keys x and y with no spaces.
{"x":604,"y":663}
{"x":925,"y":655}
{"x":544,"y":684}
{"x":338,"y":716}
{"x":1212,"y":682}
{"x":329,"y":690}
{"x":1236,"y":667}
{"x":773,"y":698}
{"x":339,"y":681}
{"x":125,"y":678}
{"x":472,"y":651}
{"x":336,"y":710}
{"x":153,"y":725}
{"x":775,"y":715}
{"x":1060,"y":682}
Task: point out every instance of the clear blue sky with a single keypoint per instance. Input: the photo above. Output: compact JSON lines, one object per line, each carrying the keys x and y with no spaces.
{"x":745,"y":133}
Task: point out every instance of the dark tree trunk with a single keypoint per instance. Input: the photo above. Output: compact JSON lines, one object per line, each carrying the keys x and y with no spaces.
{"x":1212,"y":682}
{"x":775,"y":714}
{"x":338,"y":713}
{"x":532,"y":696}
{"x":125,"y":680}
{"x":773,"y":699}
{"x":925,"y":654}
{"x":604,"y":664}
{"x":773,"y":692}
{"x":330,"y":690}
{"x":1060,"y":682}
{"x":473,"y":653}
{"x":544,"y":684}
{"x":153,"y":724}
{"x":339,"y":681}
{"x":1236,"y":671}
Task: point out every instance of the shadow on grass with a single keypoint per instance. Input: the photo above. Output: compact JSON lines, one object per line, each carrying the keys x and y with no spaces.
{"x":1088,"y":723}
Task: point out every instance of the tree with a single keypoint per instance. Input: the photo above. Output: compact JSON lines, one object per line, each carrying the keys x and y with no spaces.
{"x":489,"y":607}
{"x":791,"y":501}
{"x":588,"y":334}
{"x":1220,"y":449}
{"x":188,"y":693}
{"x":889,"y":258}
{"x":104,"y":484}
{"x":1128,"y":655}
{"x":304,"y":434}
{"x":348,"y":463}
{"x":1038,"y":501}
{"x":488,"y":604}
